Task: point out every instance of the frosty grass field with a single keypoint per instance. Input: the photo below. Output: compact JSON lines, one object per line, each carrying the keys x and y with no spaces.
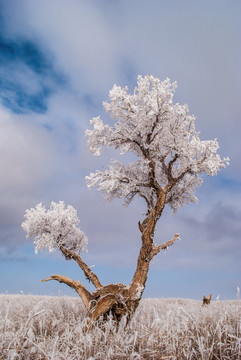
{"x":44,"y":327}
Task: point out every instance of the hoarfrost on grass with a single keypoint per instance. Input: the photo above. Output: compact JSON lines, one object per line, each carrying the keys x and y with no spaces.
{"x":41,"y":327}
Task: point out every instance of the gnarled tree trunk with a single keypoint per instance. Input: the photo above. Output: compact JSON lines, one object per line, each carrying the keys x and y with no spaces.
{"x":118,"y":299}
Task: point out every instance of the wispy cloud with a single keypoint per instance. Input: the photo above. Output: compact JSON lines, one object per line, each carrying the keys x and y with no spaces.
{"x":27,"y":76}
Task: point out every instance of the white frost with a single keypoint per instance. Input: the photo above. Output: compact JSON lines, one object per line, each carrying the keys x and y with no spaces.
{"x":54,"y":228}
{"x":160,"y":133}
{"x":139,"y":291}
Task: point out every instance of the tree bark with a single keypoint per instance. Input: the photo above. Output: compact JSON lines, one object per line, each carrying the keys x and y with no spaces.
{"x":76,"y":285}
{"x":146,"y":252}
{"x":90,"y":275}
{"x":117,"y":299}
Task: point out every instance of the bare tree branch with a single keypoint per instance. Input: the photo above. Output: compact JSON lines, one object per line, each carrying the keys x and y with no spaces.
{"x":169,"y":168}
{"x":76,"y":285}
{"x":164,"y":246}
{"x":90,"y":275}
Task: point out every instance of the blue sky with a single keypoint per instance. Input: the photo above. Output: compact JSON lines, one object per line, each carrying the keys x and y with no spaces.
{"x":58,"y":61}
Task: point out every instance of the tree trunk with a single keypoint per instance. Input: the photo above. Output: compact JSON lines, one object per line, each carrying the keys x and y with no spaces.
{"x":119,"y":300}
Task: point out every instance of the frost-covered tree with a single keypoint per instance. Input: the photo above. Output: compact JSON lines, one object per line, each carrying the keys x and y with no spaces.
{"x":170,"y":160}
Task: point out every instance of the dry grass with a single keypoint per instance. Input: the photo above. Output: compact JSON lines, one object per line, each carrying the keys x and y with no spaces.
{"x":38,"y":327}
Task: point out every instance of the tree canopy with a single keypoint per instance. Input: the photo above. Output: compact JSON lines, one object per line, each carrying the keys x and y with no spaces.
{"x":54,"y":228}
{"x":170,"y":155}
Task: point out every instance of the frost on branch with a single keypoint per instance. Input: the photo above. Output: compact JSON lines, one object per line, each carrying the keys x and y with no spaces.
{"x":113,"y":182}
{"x":171,"y":156}
{"x":54,"y":228}
{"x":139,"y":291}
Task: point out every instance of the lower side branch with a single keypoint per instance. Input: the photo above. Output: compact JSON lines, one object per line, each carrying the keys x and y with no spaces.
{"x":76,"y":285}
{"x":164,"y":246}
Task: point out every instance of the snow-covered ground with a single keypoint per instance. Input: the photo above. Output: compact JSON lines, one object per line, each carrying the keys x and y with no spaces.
{"x":43,"y":327}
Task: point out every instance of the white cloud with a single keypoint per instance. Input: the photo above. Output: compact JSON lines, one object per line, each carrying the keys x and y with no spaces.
{"x":77,"y":35}
{"x":26,"y":152}
{"x":27,"y":165}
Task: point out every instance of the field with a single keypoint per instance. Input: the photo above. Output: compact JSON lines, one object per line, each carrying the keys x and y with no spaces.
{"x":42,"y":327}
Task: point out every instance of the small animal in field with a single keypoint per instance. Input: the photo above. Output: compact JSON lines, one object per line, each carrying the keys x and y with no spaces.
{"x":207,"y":300}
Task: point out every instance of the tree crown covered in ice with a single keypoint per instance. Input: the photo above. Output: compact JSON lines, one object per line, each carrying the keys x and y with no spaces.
{"x":54,"y":228}
{"x":170,"y":155}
